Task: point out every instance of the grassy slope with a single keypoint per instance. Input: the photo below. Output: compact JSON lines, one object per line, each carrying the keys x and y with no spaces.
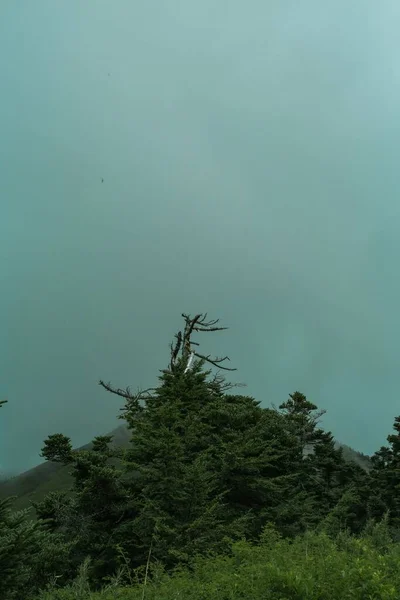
{"x":33,"y":485}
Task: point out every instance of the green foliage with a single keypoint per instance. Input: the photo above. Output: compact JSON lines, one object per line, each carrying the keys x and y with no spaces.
{"x":204,"y":469}
{"x":214,"y":497}
{"x":324,"y":481}
{"x":58,"y":448}
{"x":29,"y":555}
{"x":53,"y":509}
{"x":87,"y":518}
{"x":211,"y":467}
{"x":311,"y":567}
{"x":33,"y":485}
{"x":177,"y":497}
{"x":385,"y":480}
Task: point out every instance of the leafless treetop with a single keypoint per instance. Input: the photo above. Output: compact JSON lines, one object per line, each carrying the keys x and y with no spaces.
{"x":182,"y":349}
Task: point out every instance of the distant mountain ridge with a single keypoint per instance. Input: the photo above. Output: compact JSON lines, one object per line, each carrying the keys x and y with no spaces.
{"x":34,"y":484}
{"x":359,"y":458}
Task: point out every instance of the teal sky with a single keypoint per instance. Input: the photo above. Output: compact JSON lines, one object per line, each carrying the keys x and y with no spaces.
{"x":250,"y":156}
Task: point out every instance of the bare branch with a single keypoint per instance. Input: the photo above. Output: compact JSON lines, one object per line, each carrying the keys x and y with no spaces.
{"x":198,"y":324}
{"x":216,"y":361}
{"x":117,"y":391}
{"x":141,"y":395}
{"x":227,"y":385}
{"x":219,"y":380}
{"x":204,"y":323}
{"x":190,"y":324}
{"x":209,"y":329}
{"x":182,"y":348}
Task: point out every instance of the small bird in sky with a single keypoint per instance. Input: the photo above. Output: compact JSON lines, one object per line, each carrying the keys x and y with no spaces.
{"x":102,"y":180}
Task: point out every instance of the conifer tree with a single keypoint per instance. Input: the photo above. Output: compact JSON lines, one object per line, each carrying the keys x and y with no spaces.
{"x":176,"y":493}
{"x":322,"y":470}
{"x":29,"y":554}
{"x":205,"y":466}
{"x":209,"y":465}
{"x":86,"y":518}
{"x":385,"y":474}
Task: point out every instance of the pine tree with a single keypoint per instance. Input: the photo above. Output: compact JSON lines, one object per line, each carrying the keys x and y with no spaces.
{"x":209,"y":465}
{"x":205,"y":466}
{"x":86,"y":517}
{"x":29,"y":554}
{"x":303,"y":417}
{"x":385,"y":488}
{"x":322,"y":471}
{"x":166,"y":486}
{"x":175,"y":492}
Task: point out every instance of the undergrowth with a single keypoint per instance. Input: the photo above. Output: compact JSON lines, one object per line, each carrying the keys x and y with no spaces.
{"x":312,"y":567}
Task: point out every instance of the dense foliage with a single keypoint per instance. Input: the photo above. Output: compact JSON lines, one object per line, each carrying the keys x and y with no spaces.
{"x":312,"y":567}
{"x":214,"y":493}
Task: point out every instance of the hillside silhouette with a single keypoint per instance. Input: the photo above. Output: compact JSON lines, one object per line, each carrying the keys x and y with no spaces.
{"x":33,"y":485}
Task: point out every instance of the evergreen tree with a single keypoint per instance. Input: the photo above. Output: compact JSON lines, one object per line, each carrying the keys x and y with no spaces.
{"x":86,"y":517}
{"x":303,"y":416}
{"x":208,"y":465}
{"x":385,"y":474}
{"x":174,"y":489}
{"x":322,"y":471}
{"x":29,"y":554}
{"x":211,"y":466}
{"x":205,"y":466}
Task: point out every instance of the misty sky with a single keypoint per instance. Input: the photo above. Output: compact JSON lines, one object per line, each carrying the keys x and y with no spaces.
{"x":249,"y":152}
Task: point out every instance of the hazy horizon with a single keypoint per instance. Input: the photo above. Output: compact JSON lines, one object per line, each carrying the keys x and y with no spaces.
{"x":249,"y":159}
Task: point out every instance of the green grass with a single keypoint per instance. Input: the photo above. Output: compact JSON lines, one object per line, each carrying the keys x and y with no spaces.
{"x":313,"y":567}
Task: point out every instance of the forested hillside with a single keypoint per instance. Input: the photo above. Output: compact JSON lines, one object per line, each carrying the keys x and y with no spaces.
{"x":206,"y":495}
{"x":33,"y":485}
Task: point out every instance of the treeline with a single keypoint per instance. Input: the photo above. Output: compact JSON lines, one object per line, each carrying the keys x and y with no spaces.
{"x":207,"y":469}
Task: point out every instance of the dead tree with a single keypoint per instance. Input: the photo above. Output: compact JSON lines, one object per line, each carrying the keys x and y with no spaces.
{"x":182,"y":350}
{"x":184,"y":342}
